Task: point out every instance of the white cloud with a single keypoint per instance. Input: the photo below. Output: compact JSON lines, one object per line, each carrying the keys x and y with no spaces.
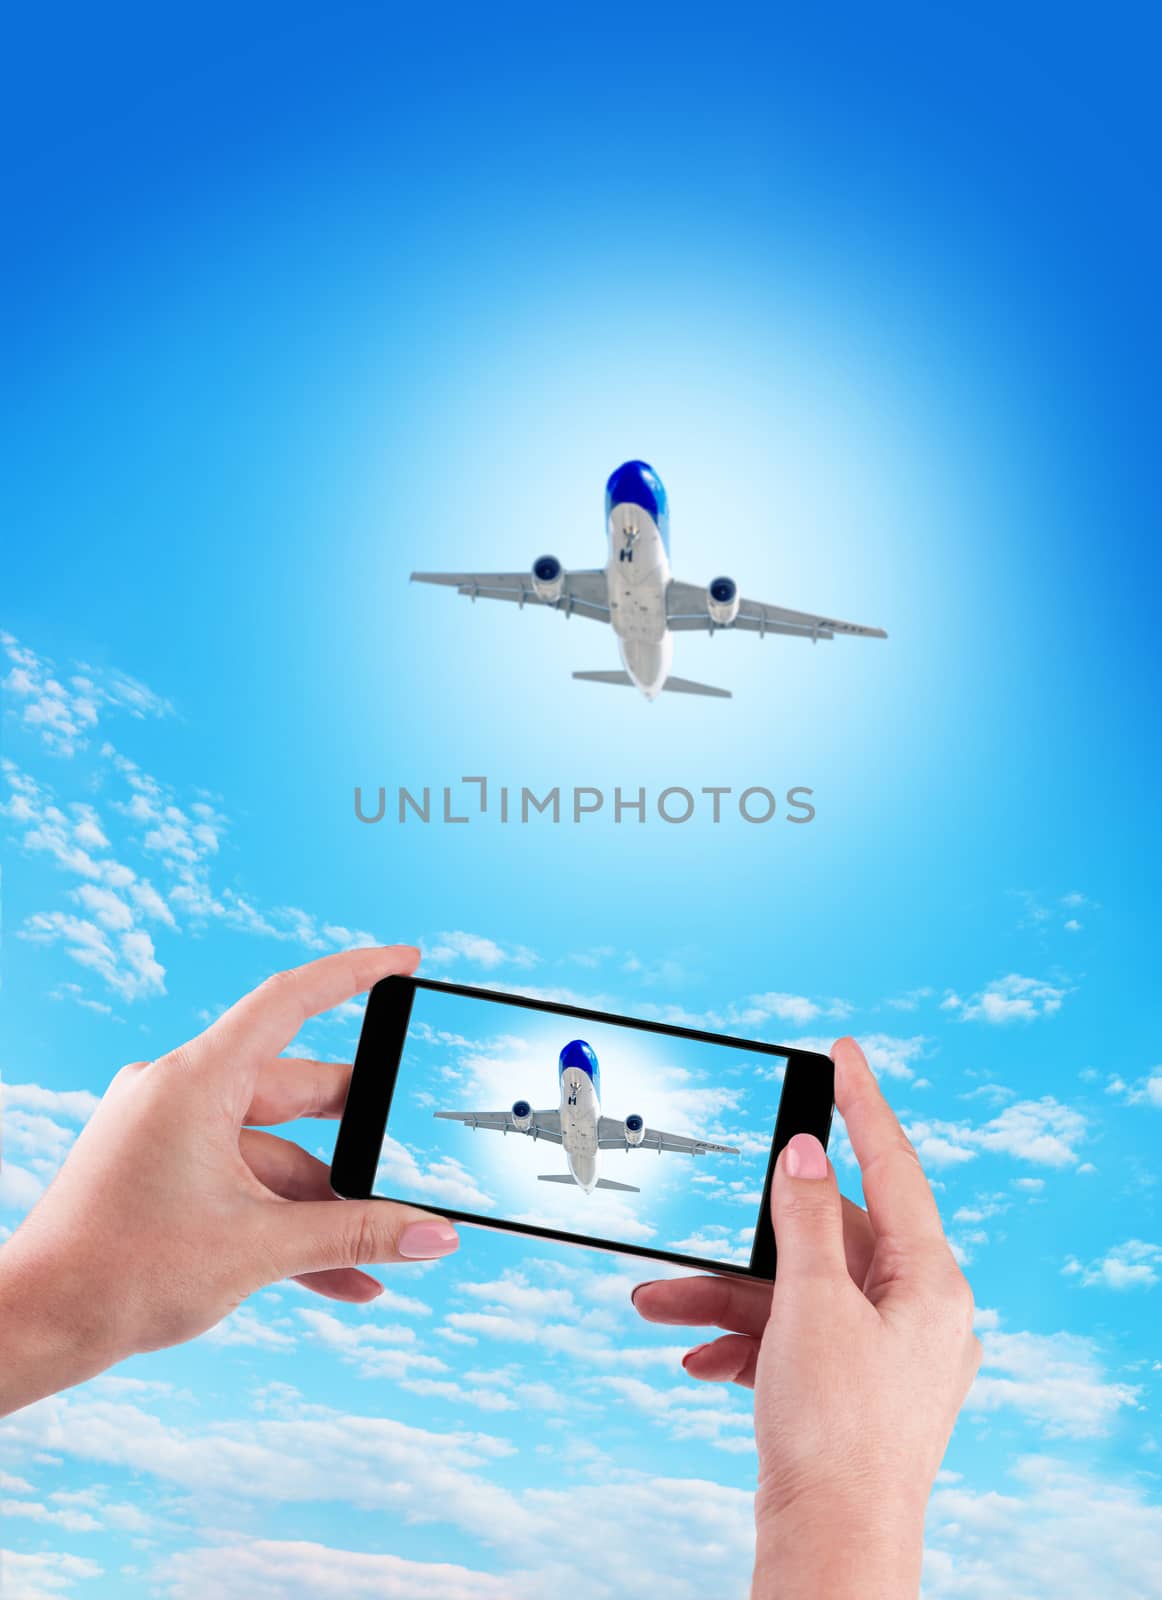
{"x":515,"y":1293}
{"x":699,"y":1536}
{"x":692,"y":1412}
{"x":318,"y":1455}
{"x":1133,"y":1265}
{"x":888,"y":1054}
{"x":1045,"y":1132}
{"x":1144,"y":1091}
{"x":794,"y":1008}
{"x":63,"y":710}
{"x":74,"y":993}
{"x":589,"y":1346}
{"x":246,"y":1327}
{"x":1066,"y":1531}
{"x":1009,"y":999}
{"x":714,"y":1244}
{"x":70,"y":1520}
{"x":1055,"y":1380}
{"x":440,"y":1178}
{"x":76,"y":1104}
{"x":377,"y":1350}
{"x":265,"y":1569}
{"x":483,"y":1397}
{"x":1042,"y":1131}
{"x":20,"y":1189}
{"x":46,"y":1575}
{"x":127,"y":963}
{"x":35,"y":1132}
{"x":476,"y":948}
{"x":910,"y":1001}
{"x":112,"y":937}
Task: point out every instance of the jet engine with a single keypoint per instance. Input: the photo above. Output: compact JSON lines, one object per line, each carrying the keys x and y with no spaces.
{"x":635,"y":1129}
{"x":548,"y":578}
{"x":722,"y":601}
{"x":522,"y":1115}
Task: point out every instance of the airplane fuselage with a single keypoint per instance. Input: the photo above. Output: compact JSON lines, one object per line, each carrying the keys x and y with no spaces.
{"x":638,"y":574}
{"x":580,"y":1117}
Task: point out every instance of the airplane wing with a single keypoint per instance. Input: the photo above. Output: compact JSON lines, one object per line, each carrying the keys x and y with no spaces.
{"x":542,"y":1124}
{"x":686,"y":610}
{"x":584,"y":594}
{"x":611,"y":1136}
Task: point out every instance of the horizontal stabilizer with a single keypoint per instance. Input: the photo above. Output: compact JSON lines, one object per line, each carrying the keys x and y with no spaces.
{"x":686,"y":686}
{"x":602,"y":1183}
{"x":671,"y":685}
{"x":622,"y":678}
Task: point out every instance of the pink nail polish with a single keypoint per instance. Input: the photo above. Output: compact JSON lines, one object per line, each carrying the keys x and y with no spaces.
{"x":424,"y":1241}
{"x":805,"y":1157}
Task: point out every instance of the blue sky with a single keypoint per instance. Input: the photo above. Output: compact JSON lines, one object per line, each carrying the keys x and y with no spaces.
{"x":307,"y":301}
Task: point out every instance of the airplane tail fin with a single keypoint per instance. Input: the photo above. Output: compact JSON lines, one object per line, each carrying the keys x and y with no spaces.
{"x":602,"y":1183}
{"x":671,"y":685}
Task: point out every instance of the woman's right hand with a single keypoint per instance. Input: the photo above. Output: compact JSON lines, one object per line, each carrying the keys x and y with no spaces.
{"x":860,"y":1358}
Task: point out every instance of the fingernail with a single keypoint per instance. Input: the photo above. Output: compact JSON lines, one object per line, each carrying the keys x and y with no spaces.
{"x":424,"y":1241}
{"x":634,"y":1292}
{"x":805,"y":1157}
{"x":690,"y":1354}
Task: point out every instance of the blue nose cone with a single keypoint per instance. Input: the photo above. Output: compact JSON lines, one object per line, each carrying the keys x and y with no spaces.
{"x":580,"y":1055}
{"x":636,"y":483}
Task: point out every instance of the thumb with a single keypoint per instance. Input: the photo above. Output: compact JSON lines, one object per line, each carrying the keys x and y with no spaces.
{"x":317,"y":1235}
{"x":807,"y":1213}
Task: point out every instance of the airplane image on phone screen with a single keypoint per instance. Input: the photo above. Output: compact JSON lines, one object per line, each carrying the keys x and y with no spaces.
{"x":578,"y":1126}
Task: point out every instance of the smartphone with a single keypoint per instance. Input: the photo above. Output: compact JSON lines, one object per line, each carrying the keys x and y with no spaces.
{"x":556,"y":1122}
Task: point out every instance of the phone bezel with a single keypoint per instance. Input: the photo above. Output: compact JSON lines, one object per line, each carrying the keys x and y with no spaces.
{"x":805,"y":1106}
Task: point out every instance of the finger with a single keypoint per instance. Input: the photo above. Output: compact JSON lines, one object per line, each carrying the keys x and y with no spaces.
{"x":290,"y":1087}
{"x":285,"y":1167}
{"x":859,"y":1241}
{"x":342,"y":1283}
{"x":741,"y":1305}
{"x":728,"y":1360}
{"x":807,"y":1215}
{"x":899,"y":1200}
{"x":265,"y":1021}
{"x":319,"y":1235}
{"x":287,"y":1170}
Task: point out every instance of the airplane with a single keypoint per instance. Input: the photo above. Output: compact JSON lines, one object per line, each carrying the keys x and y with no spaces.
{"x":580,"y":1128}
{"x":635,"y":593}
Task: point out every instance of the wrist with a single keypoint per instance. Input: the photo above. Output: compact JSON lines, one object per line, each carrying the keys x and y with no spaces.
{"x":843,"y":1545}
{"x":53,"y":1333}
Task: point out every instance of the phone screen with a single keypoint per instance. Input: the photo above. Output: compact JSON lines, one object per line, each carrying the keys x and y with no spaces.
{"x":572,"y":1124}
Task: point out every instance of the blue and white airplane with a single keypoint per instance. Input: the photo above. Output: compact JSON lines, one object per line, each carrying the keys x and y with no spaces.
{"x":635,"y":593}
{"x":579,"y":1127}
